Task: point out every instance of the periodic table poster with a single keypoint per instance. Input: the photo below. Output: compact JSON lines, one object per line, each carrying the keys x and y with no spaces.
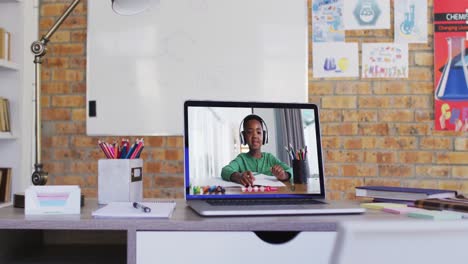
{"x":451,"y":65}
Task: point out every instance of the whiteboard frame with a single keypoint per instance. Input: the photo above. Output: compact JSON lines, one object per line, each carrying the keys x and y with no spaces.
{"x":141,"y":68}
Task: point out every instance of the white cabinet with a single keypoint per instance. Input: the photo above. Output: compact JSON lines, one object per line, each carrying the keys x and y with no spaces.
{"x":231,"y":247}
{"x":20,"y":18}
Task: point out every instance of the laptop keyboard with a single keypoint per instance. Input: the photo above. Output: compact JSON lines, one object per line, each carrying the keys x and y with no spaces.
{"x":220,"y":202}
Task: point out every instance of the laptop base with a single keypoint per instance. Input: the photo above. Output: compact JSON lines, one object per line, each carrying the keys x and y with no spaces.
{"x":205,"y":209}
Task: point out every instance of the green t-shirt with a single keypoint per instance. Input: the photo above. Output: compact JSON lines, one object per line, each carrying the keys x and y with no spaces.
{"x":244,"y":162}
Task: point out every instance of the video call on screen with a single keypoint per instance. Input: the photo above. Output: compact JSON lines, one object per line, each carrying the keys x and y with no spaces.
{"x":214,"y":140}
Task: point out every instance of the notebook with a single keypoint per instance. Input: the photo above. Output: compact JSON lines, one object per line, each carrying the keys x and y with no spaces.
{"x":278,"y":143}
{"x":159,"y":209}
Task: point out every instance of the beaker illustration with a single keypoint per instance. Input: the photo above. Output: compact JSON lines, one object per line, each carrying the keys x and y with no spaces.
{"x":329,"y":64}
{"x":453,"y":84}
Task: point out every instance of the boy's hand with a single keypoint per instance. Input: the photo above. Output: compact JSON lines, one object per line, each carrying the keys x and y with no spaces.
{"x":246,"y":178}
{"x":279,"y":172}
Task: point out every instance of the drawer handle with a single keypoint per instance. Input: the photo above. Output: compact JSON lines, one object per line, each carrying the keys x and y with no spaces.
{"x":276,"y":237}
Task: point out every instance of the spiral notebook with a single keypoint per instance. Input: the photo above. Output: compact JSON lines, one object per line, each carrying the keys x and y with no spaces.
{"x":159,"y":209}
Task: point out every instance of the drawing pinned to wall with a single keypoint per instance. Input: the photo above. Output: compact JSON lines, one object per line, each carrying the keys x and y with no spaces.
{"x":335,"y":60}
{"x":450,"y":65}
{"x":366,"y":14}
{"x":384,"y":60}
{"x":410,"y":21}
{"x":327,"y":21}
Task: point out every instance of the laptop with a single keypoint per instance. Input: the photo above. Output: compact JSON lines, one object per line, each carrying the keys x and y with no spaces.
{"x":255,"y":158}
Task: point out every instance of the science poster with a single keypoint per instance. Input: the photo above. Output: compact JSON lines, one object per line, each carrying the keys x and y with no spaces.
{"x":327,"y":21}
{"x":450,"y":65}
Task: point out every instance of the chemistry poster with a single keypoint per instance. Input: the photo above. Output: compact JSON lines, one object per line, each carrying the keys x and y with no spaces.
{"x":450,"y":65}
{"x":367,"y":14}
{"x":384,"y":60}
{"x":335,"y":60}
{"x":327,"y":21}
{"x":410,"y":21}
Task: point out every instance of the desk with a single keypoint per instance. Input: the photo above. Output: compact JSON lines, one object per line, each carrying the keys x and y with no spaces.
{"x":89,"y":240}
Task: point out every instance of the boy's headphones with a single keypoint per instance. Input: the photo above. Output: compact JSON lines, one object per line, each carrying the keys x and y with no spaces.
{"x":263,"y":124}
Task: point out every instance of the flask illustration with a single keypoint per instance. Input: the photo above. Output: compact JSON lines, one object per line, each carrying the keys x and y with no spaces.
{"x":407,"y":25}
{"x":453,"y":84}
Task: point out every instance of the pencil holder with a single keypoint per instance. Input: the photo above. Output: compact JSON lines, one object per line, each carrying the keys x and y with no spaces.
{"x":300,"y":171}
{"x":120,"y":180}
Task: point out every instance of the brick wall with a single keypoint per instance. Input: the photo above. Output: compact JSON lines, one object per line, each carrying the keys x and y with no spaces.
{"x":374,"y":131}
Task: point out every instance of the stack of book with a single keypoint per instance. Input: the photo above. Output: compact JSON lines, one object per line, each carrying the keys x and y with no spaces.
{"x":4,"y":115}
{"x":5,"y":44}
{"x":5,"y":185}
{"x":402,"y":194}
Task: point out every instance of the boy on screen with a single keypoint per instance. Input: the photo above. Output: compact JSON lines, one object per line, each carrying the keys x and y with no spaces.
{"x":242,"y":168}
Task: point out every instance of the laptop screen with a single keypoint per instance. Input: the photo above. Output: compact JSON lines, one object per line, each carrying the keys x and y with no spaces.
{"x":252,"y":150}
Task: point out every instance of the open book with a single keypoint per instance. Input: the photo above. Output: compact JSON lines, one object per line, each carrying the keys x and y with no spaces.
{"x":159,"y":209}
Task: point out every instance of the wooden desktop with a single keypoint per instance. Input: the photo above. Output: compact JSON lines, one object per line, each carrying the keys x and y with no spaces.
{"x":88,"y":240}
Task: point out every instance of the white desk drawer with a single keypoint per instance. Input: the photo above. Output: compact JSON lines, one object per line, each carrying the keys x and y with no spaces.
{"x":230,"y":247}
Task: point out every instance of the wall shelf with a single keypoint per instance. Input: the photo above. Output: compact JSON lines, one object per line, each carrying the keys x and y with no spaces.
{"x":6,"y":135}
{"x":9,"y":65}
{"x":20,"y":18}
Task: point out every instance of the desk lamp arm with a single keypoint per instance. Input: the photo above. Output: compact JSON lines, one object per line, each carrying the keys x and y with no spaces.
{"x":39,"y":49}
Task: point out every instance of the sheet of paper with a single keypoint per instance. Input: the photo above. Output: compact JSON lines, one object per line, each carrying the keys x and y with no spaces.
{"x":384,"y":60}
{"x":266,"y":180}
{"x":410,"y":21}
{"x":327,"y":21}
{"x":366,"y":14}
{"x":335,"y":60}
{"x":216,"y":182}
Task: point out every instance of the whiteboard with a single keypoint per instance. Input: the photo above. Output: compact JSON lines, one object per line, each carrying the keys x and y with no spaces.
{"x":141,"y":68}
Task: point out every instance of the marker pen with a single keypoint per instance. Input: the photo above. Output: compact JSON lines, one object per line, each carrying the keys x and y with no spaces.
{"x":145,"y":209}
